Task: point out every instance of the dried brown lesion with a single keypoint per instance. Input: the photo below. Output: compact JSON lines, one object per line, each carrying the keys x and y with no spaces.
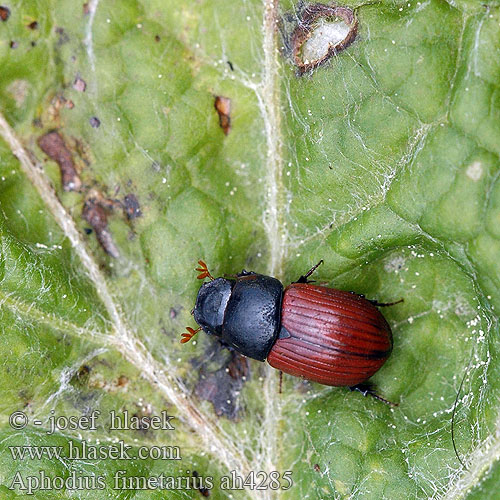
{"x":4,"y":13}
{"x":131,"y":206}
{"x":223,"y":386}
{"x":54,"y":146}
{"x":97,"y":206}
{"x":223,"y":107}
{"x":96,"y":210}
{"x":308,"y":22}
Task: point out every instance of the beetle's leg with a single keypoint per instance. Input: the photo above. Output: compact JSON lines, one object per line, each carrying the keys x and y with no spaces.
{"x":385,"y":304}
{"x":376,"y":303}
{"x":303,"y":279}
{"x":365,"y":389}
{"x":281,"y":382}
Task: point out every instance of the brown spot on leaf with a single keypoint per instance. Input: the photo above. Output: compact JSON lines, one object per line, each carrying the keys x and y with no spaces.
{"x":51,"y":114}
{"x":308,"y":23}
{"x":223,"y":108}
{"x":95,"y":122}
{"x":122,"y":381}
{"x":95,"y":212}
{"x":141,"y":420}
{"x":13,"y":44}
{"x":83,"y":371}
{"x":82,"y":375}
{"x":79,"y":84}
{"x":223,"y":386}
{"x":131,"y":206}
{"x":317,"y":468}
{"x":63,"y":37}
{"x":33,"y":25}
{"x":86,"y":9}
{"x":4,"y":13}
{"x":53,"y":145}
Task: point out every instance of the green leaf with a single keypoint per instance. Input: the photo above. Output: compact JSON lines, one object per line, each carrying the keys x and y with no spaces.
{"x":383,"y":161}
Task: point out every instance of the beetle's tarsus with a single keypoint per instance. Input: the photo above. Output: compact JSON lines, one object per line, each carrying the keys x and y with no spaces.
{"x":385,"y":304}
{"x":366,"y":389}
{"x":303,"y":279}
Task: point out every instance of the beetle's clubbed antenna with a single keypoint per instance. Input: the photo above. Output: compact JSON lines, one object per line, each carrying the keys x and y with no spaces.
{"x":186,"y":337}
{"x":204,"y":272}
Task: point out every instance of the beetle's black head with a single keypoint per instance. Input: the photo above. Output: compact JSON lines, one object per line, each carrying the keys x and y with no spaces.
{"x":211,"y":305}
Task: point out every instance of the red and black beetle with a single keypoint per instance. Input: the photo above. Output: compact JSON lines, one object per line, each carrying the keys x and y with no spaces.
{"x":322,"y":334}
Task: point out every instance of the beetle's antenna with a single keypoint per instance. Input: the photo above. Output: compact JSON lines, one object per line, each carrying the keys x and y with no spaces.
{"x":204,"y":272}
{"x":455,"y":411}
{"x":186,"y":337}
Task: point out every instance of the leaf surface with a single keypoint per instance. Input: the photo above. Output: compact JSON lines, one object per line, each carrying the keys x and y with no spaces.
{"x":383,"y":162}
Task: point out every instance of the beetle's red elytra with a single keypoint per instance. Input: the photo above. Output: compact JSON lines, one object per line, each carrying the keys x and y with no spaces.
{"x":322,"y":334}
{"x":336,"y":338}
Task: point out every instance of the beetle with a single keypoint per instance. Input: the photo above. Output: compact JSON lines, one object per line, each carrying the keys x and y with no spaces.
{"x":322,"y":334}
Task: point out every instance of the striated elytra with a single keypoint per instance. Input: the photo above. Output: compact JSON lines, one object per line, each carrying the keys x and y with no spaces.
{"x":325,"y":335}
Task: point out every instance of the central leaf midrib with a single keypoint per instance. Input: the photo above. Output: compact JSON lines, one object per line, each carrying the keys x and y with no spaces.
{"x":268,"y":96}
